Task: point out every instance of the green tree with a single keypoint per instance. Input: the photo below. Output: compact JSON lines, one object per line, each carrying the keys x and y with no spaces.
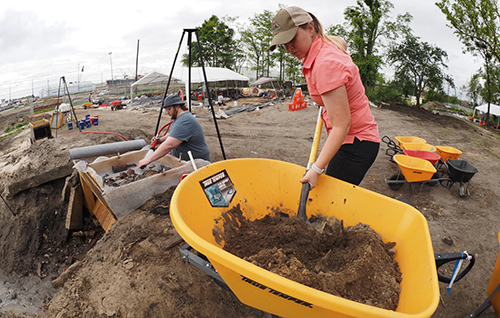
{"x":476,"y":23}
{"x":419,"y":63}
{"x":256,"y":38}
{"x":490,"y":90}
{"x":217,"y":44}
{"x":289,"y":66}
{"x":367,"y":25}
{"x":473,"y":89}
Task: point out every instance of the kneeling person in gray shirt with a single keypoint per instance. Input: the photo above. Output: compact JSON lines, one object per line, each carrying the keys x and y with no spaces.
{"x":185,"y":134}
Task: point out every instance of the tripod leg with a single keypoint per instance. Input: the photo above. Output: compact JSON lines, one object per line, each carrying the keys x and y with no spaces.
{"x":209,"y":95}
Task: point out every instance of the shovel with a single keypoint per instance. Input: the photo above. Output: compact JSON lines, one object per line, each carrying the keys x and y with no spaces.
{"x":306,"y":187}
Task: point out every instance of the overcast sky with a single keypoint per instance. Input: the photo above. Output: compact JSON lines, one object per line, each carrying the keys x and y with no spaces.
{"x":40,"y":41}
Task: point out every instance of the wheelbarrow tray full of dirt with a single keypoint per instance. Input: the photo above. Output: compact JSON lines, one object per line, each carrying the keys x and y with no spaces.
{"x":259,"y":186}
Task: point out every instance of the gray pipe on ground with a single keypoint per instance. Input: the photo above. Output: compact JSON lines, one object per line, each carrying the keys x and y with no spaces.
{"x":106,"y":149}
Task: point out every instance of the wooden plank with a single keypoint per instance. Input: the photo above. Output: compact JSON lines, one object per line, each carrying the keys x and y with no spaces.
{"x":89,"y":194}
{"x":74,"y":217}
{"x":96,"y":190}
{"x":103,"y":215}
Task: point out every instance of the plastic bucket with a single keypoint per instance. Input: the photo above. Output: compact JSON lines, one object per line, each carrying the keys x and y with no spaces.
{"x":87,"y":123}
{"x":95,"y":120}
{"x":261,"y":184}
{"x":70,"y":126}
{"x":82,"y":124}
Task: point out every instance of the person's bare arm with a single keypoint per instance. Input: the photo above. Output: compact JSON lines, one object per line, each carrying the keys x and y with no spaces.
{"x":337,"y":108}
{"x":164,"y":148}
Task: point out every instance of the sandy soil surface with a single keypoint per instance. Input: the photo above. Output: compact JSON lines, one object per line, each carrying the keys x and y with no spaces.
{"x":135,"y":269}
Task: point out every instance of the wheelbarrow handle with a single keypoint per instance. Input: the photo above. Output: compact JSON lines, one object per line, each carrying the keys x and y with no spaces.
{"x":387,"y":140}
{"x":443,"y":258}
{"x":392,"y":151}
{"x":391,"y":143}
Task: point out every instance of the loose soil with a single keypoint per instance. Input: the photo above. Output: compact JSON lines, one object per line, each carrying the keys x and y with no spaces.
{"x":131,"y":175}
{"x":135,"y":269}
{"x":353,"y":262}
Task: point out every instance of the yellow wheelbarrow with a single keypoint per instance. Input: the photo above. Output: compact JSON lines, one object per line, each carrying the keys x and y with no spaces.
{"x":492,"y":290}
{"x":446,"y":152}
{"x":259,"y":185}
{"x":415,"y":171}
{"x":405,"y":143}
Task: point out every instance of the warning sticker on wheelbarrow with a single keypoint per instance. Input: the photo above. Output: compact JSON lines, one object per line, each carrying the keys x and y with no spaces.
{"x":219,"y":189}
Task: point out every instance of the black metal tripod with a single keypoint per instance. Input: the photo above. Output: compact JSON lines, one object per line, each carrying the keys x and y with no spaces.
{"x":63,"y":79}
{"x":188,"y":93}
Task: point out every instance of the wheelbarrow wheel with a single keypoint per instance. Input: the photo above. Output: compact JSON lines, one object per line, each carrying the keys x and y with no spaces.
{"x":396,"y":177}
{"x":435,"y":176}
{"x":446,"y":182}
{"x":439,"y":173}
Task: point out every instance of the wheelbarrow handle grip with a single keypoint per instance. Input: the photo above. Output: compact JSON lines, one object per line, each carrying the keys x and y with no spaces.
{"x":391,"y":143}
{"x":443,"y":258}
{"x":386,"y":139}
{"x":392,"y":151}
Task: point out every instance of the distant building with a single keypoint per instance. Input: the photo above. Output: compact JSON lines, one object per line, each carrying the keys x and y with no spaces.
{"x":73,"y":88}
{"x":120,"y":82}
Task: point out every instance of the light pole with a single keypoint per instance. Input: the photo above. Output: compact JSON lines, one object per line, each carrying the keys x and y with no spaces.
{"x":78,"y":77}
{"x":111,"y":63}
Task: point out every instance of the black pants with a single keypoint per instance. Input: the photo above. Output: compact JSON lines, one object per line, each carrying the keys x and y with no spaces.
{"x":352,"y":161}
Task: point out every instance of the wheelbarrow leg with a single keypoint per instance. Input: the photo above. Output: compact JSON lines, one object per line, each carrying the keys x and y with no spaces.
{"x":484,"y":306}
{"x":463,"y":188}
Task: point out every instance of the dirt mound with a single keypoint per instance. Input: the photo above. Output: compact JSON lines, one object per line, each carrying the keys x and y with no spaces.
{"x":136,"y":270}
{"x":353,"y":262}
{"x":433,"y":105}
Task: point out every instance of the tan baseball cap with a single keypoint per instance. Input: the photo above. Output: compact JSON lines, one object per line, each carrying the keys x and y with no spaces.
{"x":285,"y":24}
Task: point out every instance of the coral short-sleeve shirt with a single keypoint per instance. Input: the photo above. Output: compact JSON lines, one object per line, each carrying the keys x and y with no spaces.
{"x":326,"y":68}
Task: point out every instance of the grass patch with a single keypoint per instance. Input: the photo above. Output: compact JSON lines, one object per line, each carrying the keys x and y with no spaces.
{"x":45,"y":110}
{"x":493,"y":154}
{"x":19,"y":125}
{"x":11,"y":133}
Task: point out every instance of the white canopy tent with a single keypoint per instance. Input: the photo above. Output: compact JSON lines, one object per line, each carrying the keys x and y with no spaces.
{"x":151,"y":78}
{"x":264,"y":80}
{"x":214,"y":74}
{"x":494,"y":110}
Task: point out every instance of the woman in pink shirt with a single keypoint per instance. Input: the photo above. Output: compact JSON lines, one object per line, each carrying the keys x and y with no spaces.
{"x":333,"y":82}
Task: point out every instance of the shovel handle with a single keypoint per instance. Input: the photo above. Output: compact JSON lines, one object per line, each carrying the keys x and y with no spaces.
{"x":317,"y":136}
{"x":304,"y":195}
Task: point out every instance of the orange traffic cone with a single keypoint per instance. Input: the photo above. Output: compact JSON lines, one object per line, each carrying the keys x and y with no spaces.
{"x":298,"y":101}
